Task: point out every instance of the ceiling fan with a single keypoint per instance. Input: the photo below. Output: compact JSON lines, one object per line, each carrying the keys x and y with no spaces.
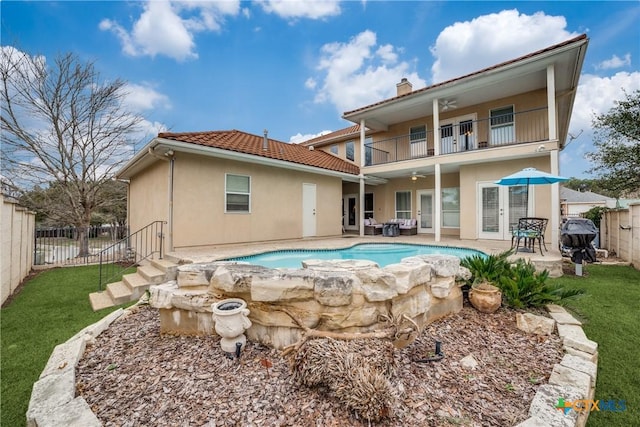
{"x":416,"y":175}
{"x":448,"y":104}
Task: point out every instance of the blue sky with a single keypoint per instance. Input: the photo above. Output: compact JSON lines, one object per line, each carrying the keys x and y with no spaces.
{"x":293,"y":67}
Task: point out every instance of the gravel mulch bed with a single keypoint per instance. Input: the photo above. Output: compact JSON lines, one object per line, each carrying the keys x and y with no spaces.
{"x":133,"y":376}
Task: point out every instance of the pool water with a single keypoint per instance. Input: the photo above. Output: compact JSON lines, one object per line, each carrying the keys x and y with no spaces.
{"x":381,"y":253}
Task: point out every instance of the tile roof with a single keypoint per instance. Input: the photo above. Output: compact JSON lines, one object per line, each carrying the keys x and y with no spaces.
{"x":493,"y":67}
{"x":351,"y":130}
{"x":246,"y":143}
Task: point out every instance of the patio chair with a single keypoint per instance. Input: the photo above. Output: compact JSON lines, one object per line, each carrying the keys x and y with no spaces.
{"x":371,"y":227}
{"x":529,"y":230}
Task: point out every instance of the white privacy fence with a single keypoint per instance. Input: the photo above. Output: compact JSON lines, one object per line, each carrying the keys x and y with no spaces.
{"x":17,"y":226}
{"x":620,"y":233}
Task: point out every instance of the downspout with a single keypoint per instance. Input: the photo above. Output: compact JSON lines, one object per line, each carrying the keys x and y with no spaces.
{"x":167,"y":157}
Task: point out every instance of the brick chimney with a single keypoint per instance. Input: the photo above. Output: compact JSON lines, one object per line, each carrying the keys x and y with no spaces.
{"x":404,"y":87}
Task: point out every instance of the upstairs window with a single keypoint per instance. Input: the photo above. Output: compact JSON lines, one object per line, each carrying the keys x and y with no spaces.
{"x":237,"y":194}
{"x":334,"y":149}
{"x":351,"y":150}
{"x":368,"y":151}
{"x":502,"y":126}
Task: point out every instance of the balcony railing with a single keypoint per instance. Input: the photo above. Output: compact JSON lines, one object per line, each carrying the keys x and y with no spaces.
{"x":463,"y":136}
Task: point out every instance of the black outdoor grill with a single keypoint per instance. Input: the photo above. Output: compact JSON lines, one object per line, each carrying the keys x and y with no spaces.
{"x":577,"y":235}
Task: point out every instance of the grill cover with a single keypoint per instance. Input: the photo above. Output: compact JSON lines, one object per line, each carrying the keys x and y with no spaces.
{"x":577,"y":235}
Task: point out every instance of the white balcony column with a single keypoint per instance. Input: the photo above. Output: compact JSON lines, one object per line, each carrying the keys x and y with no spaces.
{"x":438,"y":202}
{"x":361,"y":192}
{"x":555,"y":201}
{"x":551,"y":103}
{"x":436,"y":127}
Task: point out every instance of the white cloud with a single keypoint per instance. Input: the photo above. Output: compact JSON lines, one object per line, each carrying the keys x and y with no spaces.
{"x":469,"y":46}
{"x":615,"y":62}
{"x":167,"y":28}
{"x":595,"y":95}
{"x":144,"y":97}
{"x":360,"y":72}
{"x":288,"y":9}
{"x":298,"y":138}
{"x":310,"y":83}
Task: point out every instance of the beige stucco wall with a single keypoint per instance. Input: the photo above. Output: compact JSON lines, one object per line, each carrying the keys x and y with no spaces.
{"x":199,"y":217}
{"x":17,"y":227}
{"x":489,"y":172}
{"x":148,"y":196}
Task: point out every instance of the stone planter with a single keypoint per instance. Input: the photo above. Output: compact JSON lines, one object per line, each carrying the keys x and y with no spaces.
{"x":485,"y":298}
{"x":231,"y":320}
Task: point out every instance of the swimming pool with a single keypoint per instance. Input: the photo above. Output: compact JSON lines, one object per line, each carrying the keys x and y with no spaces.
{"x":381,"y":253}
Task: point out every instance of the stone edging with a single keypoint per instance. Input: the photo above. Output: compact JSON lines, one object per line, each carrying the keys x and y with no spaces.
{"x":574,"y":378}
{"x":53,"y":402}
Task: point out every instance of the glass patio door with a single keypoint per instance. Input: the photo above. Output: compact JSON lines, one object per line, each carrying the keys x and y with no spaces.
{"x":499,"y":209}
{"x":425,"y":211}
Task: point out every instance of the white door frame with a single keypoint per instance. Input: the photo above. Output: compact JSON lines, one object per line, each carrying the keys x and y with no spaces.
{"x":458,"y":145}
{"x":355,"y":212}
{"x":501,"y":214}
{"x":308,"y":210}
{"x":419,"y":193}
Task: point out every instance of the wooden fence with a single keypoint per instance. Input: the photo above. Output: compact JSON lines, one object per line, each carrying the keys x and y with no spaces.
{"x":17,"y":226}
{"x":620,"y":233}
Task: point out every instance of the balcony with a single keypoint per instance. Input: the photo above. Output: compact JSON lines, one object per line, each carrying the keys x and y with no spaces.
{"x":463,"y":136}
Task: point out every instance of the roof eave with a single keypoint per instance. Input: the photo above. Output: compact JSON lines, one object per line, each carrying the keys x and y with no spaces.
{"x":143,"y":159}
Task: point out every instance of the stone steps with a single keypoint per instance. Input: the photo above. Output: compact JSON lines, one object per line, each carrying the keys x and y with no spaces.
{"x":134,"y":285}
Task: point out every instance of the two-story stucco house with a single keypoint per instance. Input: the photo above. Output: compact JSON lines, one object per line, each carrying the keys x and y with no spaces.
{"x":435,"y":153}
{"x":431,"y":154}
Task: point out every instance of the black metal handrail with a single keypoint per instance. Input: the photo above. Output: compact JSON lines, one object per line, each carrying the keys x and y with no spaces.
{"x":507,"y":129}
{"x":130,"y":251}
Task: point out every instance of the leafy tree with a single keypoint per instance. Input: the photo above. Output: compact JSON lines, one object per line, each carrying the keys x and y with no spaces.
{"x":64,"y":129}
{"x":617,"y":142}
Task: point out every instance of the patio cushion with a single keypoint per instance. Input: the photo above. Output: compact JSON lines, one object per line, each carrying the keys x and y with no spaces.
{"x":366,"y":221}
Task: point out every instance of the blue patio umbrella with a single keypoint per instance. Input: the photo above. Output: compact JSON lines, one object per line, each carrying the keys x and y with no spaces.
{"x":530,"y":176}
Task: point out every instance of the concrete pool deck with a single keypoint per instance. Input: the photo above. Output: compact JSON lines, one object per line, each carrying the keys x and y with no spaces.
{"x":552,"y":259}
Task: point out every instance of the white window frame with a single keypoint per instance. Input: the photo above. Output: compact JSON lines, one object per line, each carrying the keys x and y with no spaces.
{"x":346,"y":150}
{"x":495,"y":140}
{"x":404,"y":211}
{"x":418,"y":140}
{"x":373,"y":209}
{"x":446,"y":213}
{"x":226,"y":193}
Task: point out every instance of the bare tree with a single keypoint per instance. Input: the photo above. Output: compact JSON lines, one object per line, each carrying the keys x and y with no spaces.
{"x":63,"y":127}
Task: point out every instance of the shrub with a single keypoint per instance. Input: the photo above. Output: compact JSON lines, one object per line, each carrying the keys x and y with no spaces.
{"x":521,"y":285}
{"x":486,"y":268}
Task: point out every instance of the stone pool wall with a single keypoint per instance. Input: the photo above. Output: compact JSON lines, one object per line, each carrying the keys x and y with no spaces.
{"x":337,"y":295}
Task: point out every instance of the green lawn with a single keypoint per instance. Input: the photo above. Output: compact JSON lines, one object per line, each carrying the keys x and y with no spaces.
{"x":610,"y":312}
{"x":49,"y":310}
{"x":54,"y":306}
